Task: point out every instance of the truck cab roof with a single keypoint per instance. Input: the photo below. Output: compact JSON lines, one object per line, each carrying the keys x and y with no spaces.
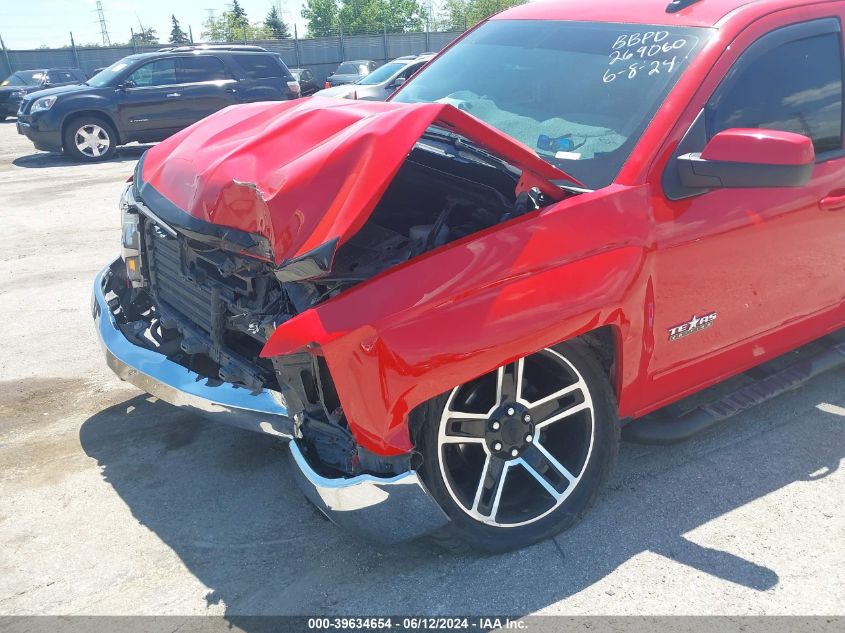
{"x":700,"y":13}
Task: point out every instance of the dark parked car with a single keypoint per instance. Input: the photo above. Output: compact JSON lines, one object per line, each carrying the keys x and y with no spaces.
{"x":21,"y":83}
{"x":148,"y":97}
{"x":350,"y":72}
{"x":307,"y":81}
{"x":382,"y":82}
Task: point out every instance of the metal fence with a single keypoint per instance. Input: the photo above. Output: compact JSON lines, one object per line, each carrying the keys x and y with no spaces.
{"x":319,"y":54}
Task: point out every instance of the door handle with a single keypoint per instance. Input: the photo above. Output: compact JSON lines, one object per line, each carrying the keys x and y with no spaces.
{"x":171,"y":95}
{"x":832,"y":203}
{"x":231,"y":90}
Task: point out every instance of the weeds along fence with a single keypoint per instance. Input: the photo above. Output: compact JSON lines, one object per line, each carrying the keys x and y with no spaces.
{"x":321,"y":55}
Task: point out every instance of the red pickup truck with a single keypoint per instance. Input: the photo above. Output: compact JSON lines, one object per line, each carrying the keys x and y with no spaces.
{"x":451,"y":303}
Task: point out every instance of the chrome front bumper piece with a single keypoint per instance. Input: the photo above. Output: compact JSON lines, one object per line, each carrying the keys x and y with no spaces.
{"x":386,"y":510}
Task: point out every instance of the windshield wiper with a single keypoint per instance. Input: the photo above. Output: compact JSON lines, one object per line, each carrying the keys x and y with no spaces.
{"x":479,"y":154}
{"x":567,"y":185}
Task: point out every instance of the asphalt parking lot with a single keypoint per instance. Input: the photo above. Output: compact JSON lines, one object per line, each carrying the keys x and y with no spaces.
{"x":113,"y":503}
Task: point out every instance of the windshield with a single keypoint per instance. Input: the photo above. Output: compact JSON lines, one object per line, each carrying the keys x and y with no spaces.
{"x":580,"y":94}
{"x":348,"y":68}
{"x":24,"y":78}
{"x":382,"y":73}
{"x":107,"y":75}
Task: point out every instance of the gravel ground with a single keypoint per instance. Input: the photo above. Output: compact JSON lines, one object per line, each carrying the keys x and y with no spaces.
{"x":113,"y":503}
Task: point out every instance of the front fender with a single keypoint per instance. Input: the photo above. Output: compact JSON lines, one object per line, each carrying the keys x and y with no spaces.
{"x":460,"y":311}
{"x":74,"y":104}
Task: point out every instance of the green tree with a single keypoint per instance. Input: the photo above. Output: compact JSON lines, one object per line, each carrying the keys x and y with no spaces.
{"x":360,"y":16}
{"x":456,"y":15}
{"x":232,"y":26}
{"x":238,"y":16}
{"x":177,"y":35}
{"x":322,"y":17}
{"x":213,"y":28}
{"x":452,"y":16}
{"x":274,"y":23}
{"x":146,"y":36}
{"x":357,"y":16}
{"x":477,"y":10}
{"x":404,"y":15}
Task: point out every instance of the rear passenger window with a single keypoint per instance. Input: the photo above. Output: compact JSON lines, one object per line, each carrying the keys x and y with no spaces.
{"x":201,"y":68}
{"x":795,"y":87}
{"x":260,"y":66}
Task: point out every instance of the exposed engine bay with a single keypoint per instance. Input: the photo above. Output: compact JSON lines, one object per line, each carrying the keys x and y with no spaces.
{"x":444,"y":191}
{"x":212,"y":311}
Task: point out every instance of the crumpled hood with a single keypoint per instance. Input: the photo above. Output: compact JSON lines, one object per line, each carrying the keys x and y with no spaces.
{"x":308,"y":172}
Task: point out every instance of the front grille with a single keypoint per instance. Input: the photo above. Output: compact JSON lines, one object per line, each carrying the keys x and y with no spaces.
{"x":172,"y":285}
{"x":210,"y":297}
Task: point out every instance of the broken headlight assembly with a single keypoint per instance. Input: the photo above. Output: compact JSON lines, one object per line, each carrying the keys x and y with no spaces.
{"x":131,"y":238}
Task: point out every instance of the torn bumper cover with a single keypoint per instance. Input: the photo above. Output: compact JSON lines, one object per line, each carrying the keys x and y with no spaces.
{"x":388,"y":510}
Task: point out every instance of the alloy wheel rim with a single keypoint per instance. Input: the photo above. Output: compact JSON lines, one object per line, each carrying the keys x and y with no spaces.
{"x":92,"y":140}
{"x":511,"y":457}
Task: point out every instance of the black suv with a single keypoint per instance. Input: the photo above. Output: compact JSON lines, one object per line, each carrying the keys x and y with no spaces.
{"x":148,"y":97}
{"x":19,"y":84}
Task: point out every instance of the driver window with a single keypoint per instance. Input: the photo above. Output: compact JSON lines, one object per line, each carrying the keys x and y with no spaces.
{"x":161,"y":72}
{"x":794,"y":87}
{"x":60,"y":77}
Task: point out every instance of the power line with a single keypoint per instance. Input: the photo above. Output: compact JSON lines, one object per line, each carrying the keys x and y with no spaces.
{"x":103,"y":30}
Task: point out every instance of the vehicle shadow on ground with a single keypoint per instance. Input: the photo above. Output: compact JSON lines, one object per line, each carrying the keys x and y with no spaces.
{"x":41,"y":160}
{"x":225,"y":502}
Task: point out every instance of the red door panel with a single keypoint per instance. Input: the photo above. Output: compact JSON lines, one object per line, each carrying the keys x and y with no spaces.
{"x":763,"y":261}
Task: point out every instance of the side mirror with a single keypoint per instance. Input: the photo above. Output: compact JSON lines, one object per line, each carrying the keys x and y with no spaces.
{"x":399,"y":81}
{"x":47,"y":84}
{"x":739,"y":158}
{"x":123,"y":85}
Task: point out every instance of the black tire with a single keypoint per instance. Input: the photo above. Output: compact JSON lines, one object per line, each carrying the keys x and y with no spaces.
{"x":101,"y":132}
{"x":465,"y":531}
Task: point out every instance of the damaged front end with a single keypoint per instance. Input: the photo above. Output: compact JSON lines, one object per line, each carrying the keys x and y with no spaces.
{"x":145,"y":352}
{"x":219,"y":254}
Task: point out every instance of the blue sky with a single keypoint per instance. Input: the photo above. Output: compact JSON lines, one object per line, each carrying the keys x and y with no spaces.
{"x":31,"y":23}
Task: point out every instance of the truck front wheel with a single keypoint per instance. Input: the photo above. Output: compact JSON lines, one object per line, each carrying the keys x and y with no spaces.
{"x":518,"y":455}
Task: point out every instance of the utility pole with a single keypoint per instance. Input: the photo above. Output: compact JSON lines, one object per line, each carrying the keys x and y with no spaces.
{"x":6,"y":54}
{"x":384,"y":41}
{"x":73,"y":47}
{"x":103,"y":30}
{"x":429,"y":9}
{"x":191,"y":34}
